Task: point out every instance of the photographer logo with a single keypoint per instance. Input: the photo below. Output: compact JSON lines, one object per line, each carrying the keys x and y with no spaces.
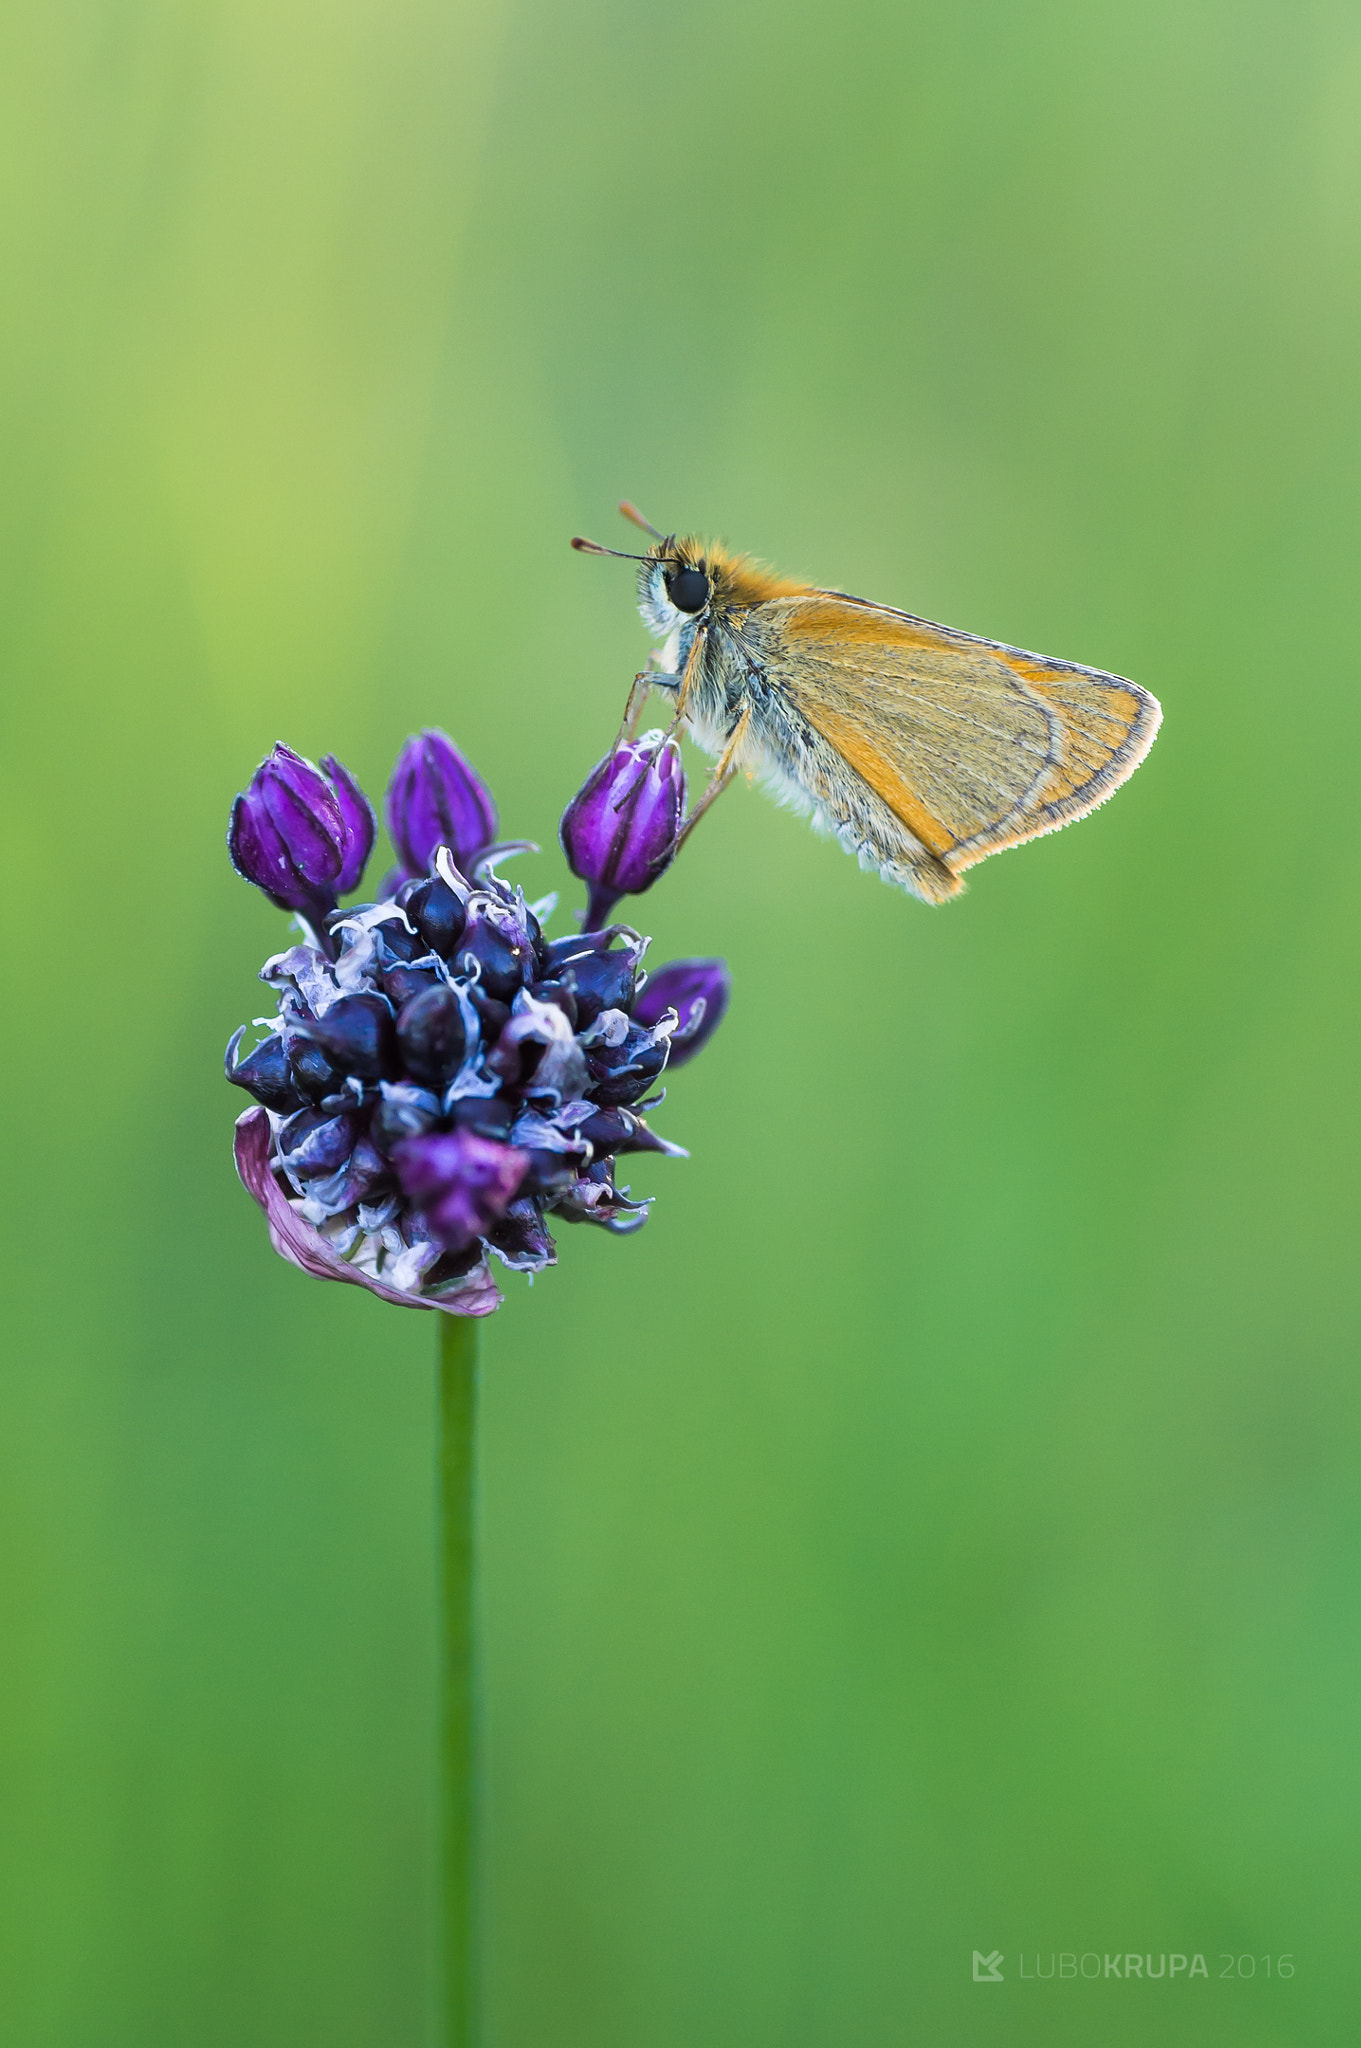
{"x":1071,"y":1966}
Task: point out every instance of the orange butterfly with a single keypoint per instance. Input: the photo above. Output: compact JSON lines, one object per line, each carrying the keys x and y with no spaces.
{"x":922,"y":749}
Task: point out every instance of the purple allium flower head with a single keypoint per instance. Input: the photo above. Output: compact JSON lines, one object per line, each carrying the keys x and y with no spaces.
{"x":436,"y":799}
{"x":697,"y":990}
{"x":441,"y":1078}
{"x":301,"y":835}
{"x":619,"y":831}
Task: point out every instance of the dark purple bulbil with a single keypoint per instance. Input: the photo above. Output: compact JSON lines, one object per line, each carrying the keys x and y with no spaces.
{"x":357,"y":1036}
{"x":431,"y":1036}
{"x":496,"y":946}
{"x":266,"y":1073}
{"x":436,"y":914}
{"x":441,"y":1077}
{"x":597,"y":974}
{"x":301,"y":834}
{"x":436,"y":799}
{"x":619,"y":831}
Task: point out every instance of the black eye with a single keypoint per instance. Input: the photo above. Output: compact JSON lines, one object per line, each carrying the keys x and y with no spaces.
{"x":688,"y":589}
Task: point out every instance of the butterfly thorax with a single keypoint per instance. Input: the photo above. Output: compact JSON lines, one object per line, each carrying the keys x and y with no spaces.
{"x":733,"y":588}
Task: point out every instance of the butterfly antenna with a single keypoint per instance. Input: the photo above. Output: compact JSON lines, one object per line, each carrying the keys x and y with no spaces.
{"x":632,"y":514}
{"x":593,"y":547}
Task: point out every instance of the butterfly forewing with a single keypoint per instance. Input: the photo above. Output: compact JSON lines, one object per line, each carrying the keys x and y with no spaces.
{"x":972,"y":744}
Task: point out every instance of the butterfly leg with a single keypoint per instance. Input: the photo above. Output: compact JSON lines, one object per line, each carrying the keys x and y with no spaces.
{"x":634,"y":707}
{"x":692,"y":668}
{"x":724,"y":770}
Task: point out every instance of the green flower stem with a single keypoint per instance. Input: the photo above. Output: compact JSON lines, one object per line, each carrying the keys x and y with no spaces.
{"x":458,"y":1704}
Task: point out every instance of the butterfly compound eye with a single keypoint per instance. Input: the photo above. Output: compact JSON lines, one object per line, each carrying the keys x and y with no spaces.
{"x":688,"y":589}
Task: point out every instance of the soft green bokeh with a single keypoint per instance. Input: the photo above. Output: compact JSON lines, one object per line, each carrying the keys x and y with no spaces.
{"x":940,"y":1529}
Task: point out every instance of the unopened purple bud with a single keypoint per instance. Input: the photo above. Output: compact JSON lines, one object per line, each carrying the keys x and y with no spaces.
{"x":436,"y":799}
{"x":300,"y":835}
{"x":461,"y":1184}
{"x":619,"y":831}
{"x":698,"y":991}
{"x":357,"y":813}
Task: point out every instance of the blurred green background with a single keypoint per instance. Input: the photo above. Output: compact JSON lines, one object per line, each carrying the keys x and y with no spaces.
{"x":939,"y":1530}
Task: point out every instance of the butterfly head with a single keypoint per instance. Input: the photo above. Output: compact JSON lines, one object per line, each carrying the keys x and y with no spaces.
{"x":676,"y":584}
{"x":685,"y":582}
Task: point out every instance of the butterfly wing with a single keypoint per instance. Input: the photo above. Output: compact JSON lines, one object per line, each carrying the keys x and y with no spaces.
{"x":972,"y":745}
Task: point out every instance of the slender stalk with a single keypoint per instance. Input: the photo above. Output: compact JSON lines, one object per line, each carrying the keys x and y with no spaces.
{"x":458,"y":1702}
